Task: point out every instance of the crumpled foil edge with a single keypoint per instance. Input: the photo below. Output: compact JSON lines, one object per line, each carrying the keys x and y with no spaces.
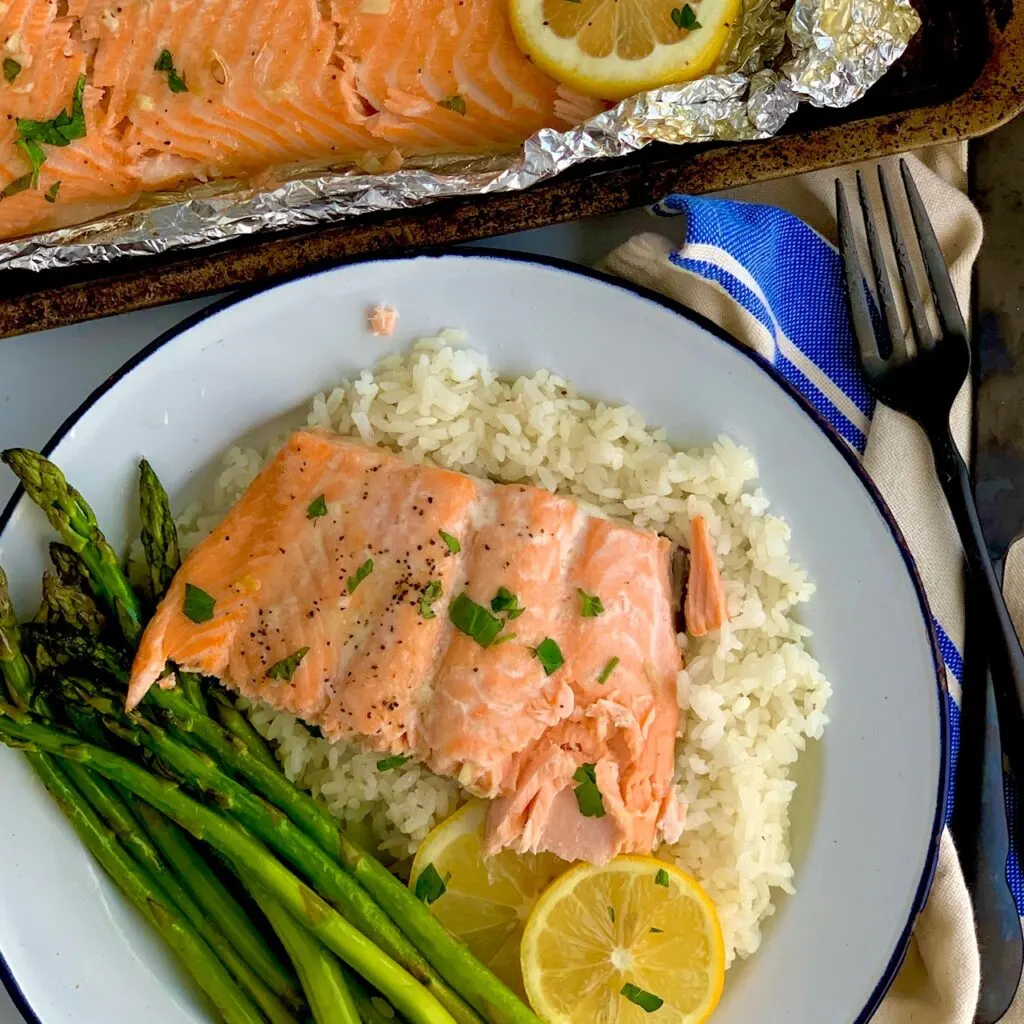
{"x":824,"y":52}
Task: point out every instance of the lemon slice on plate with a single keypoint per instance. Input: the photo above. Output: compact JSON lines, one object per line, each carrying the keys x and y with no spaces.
{"x":486,"y":900}
{"x":614,"y":944}
{"x":616,"y":48}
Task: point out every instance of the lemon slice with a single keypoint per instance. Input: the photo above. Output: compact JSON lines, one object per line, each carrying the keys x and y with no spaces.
{"x":616,"y":48}
{"x":614,"y":944}
{"x":487,"y":899}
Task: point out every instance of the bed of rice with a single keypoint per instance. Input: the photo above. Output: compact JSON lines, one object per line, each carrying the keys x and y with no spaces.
{"x":751,"y":694}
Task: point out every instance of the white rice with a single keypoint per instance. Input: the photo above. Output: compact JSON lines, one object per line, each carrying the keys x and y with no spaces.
{"x":751,"y":694}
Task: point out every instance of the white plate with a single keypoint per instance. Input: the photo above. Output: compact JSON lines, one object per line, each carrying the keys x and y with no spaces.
{"x":866,"y":824}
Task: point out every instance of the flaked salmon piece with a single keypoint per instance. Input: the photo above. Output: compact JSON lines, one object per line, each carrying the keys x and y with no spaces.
{"x":333,"y":580}
{"x":93,"y":175}
{"x":705,"y":607}
{"x":262,"y":90}
{"x":383,"y":320}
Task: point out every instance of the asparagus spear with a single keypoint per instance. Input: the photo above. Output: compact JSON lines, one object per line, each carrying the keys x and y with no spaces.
{"x":66,"y":604}
{"x":234,"y":722}
{"x":318,"y":969}
{"x":372,"y":1008}
{"x":70,"y":568}
{"x":445,"y":954}
{"x":138,"y":884}
{"x":159,"y":534}
{"x":200,"y":771}
{"x":319,"y":917}
{"x":209,"y":910}
{"x":71,"y":516}
{"x":141,"y":888}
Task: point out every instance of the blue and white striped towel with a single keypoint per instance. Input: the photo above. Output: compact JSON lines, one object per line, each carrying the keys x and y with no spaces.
{"x":771,"y":280}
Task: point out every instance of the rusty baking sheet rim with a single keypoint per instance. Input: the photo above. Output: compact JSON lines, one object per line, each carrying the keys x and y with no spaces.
{"x":995,"y":98}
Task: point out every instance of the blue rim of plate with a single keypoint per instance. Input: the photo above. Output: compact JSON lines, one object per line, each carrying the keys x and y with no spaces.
{"x":553,"y":263}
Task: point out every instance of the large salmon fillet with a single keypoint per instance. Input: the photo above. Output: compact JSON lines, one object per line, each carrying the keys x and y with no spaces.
{"x":337,"y":589}
{"x":262,"y":87}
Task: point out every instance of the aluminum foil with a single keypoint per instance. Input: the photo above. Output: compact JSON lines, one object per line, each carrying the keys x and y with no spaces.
{"x":824,"y":52}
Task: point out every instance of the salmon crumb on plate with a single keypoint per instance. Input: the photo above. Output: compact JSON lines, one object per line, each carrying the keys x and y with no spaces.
{"x":452,"y":584}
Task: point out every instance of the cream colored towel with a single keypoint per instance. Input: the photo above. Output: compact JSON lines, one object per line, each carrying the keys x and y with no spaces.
{"x":940,"y":979}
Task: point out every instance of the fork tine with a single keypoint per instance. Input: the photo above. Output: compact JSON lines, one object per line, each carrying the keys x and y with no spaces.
{"x":890,"y":311}
{"x":950,"y":316}
{"x":923,"y":334}
{"x":856,"y":288}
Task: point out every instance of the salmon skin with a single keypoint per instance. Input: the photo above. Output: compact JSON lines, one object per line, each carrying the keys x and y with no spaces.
{"x":184,"y":91}
{"x":497,"y":633}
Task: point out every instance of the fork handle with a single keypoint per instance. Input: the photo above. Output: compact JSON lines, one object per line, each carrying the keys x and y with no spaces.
{"x":1003,"y":646}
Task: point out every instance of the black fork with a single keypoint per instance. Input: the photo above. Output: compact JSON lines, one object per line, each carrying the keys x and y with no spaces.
{"x":919,"y":372}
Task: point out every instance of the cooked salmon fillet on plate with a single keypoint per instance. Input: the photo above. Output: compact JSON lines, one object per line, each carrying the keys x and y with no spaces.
{"x":500,"y":634}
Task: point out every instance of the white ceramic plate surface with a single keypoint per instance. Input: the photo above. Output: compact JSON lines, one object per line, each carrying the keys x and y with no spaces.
{"x":867,"y":815}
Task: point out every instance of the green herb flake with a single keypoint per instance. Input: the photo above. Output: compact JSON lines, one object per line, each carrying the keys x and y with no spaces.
{"x":590,"y":604}
{"x":16,"y":186}
{"x":285,"y":668}
{"x":611,"y":914}
{"x":588,"y":796}
{"x":504,"y":638}
{"x":165,"y":63}
{"x":505,"y":601}
{"x":52,"y":192}
{"x":361,"y":573}
{"x":549,"y":654}
{"x":685,"y":18}
{"x":607,"y":671}
{"x":455,"y":103}
{"x":474,"y":620}
{"x":11,"y":70}
{"x":61,"y":130}
{"x":317,"y":507}
{"x":647,"y":1001}
{"x":431,"y":592}
{"x":198,"y":604}
{"x":430,"y":886}
{"x":385,"y":764}
{"x":36,"y":158}
{"x":452,"y":543}
{"x":657,"y":931}
{"x":661,"y":878}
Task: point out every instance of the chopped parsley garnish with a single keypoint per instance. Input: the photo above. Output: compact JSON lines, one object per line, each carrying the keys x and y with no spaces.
{"x":430,"y":886}
{"x":61,"y":130}
{"x":661,"y":878}
{"x":611,"y":914}
{"x":608,"y":670}
{"x":505,"y":601}
{"x":452,"y":543}
{"x":549,"y":654}
{"x":51,"y":192}
{"x":590,"y":604}
{"x":454,"y":103}
{"x":474,"y":620}
{"x":18,"y":185}
{"x":36,"y":157}
{"x":385,"y":764}
{"x":685,"y":17}
{"x":647,"y":1001}
{"x":317,"y":508}
{"x":285,"y":668}
{"x":165,"y":62}
{"x":431,"y":592}
{"x":198,"y":604}
{"x":588,"y":796}
{"x":361,"y":573}
{"x":657,"y":931}
{"x":11,"y":69}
